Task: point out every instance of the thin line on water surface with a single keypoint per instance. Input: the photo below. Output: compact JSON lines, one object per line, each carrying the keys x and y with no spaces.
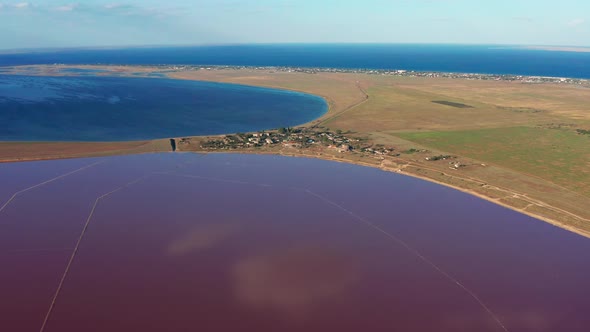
{"x":415,"y":252}
{"x":377,"y":228}
{"x":85,"y":228}
{"x":46,"y":182}
{"x":75,"y":251}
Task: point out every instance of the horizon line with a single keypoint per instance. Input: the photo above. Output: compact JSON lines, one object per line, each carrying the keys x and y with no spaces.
{"x":131,"y":46}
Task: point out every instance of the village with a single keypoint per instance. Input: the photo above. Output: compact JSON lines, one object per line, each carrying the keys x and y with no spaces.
{"x":309,"y":140}
{"x":296,"y":138}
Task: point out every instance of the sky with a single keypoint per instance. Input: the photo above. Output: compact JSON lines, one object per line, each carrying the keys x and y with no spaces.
{"x":55,"y":23}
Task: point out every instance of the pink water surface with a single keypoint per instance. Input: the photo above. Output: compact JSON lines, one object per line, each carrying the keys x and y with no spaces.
{"x":190,"y":242}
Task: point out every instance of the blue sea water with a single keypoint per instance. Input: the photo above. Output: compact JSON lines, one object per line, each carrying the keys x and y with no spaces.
{"x":488,"y":59}
{"x":89,"y":108}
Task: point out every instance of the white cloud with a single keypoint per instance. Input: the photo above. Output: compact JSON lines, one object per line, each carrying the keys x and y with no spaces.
{"x":112,"y":9}
{"x":115,"y":6}
{"x":523,"y":19}
{"x":21,"y":5}
{"x":575,"y":22}
{"x":124,"y":9}
{"x":66,"y":8}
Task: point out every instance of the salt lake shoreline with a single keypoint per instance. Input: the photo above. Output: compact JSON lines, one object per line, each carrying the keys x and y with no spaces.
{"x":340,"y":160}
{"x":163,"y":148}
{"x":416,"y":176}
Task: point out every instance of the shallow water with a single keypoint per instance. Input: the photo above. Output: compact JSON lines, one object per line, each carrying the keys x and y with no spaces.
{"x":266,"y":243}
{"x":98,"y":108}
{"x":83,"y":71}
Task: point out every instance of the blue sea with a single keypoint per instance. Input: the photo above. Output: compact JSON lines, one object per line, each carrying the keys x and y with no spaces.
{"x":97,"y":108}
{"x":484,"y":59}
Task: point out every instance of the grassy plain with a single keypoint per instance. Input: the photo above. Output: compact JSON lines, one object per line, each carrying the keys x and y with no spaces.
{"x":516,"y":142}
{"x":559,"y":155}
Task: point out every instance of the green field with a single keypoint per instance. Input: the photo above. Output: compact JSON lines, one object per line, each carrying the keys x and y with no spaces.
{"x":559,"y":155}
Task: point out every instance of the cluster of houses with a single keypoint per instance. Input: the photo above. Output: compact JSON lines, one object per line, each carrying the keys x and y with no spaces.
{"x":295,"y":138}
{"x":315,"y":139}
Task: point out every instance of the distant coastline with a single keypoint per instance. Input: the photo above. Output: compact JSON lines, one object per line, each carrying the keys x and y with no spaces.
{"x":515,"y":60}
{"x":165,"y":70}
{"x":575,"y":49}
